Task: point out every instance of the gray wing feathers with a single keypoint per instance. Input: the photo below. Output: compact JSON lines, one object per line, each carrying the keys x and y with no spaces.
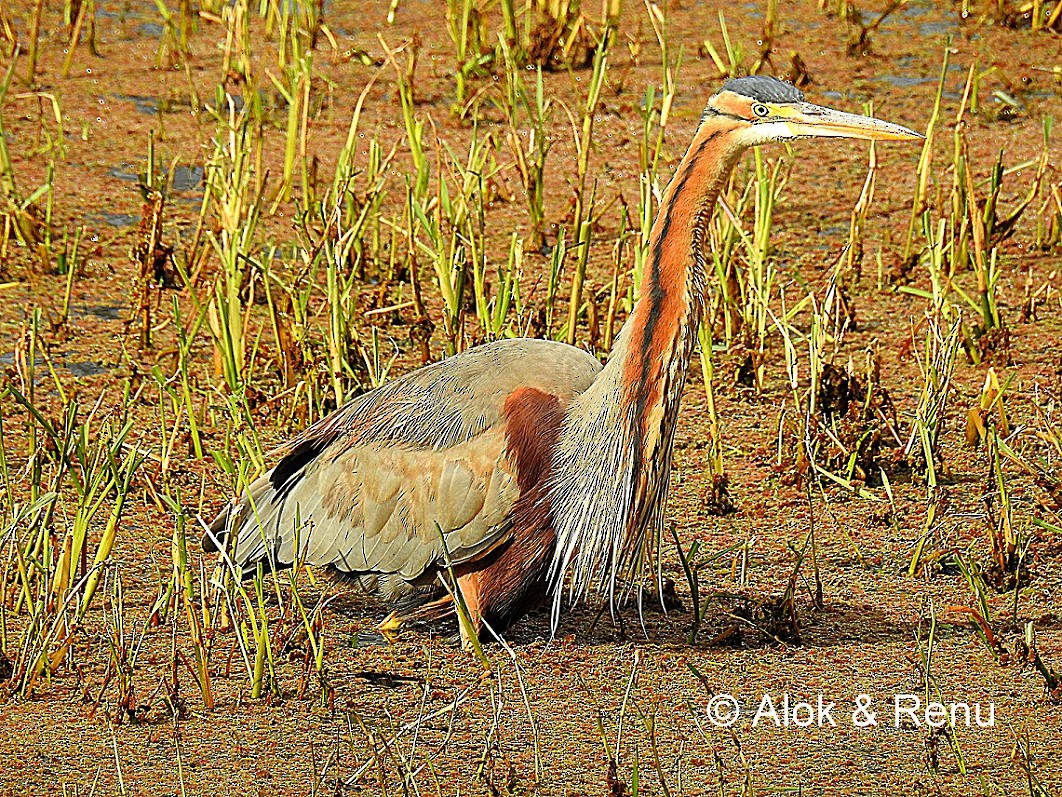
{"x":390,"y":470}
{"x":381,"y":510}
{"x":453,"y":400}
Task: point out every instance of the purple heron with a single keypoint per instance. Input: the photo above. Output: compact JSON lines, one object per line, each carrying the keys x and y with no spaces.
{"x":522,"y":464}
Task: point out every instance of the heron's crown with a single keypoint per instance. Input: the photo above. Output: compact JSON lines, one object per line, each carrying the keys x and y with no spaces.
{"x":764,"y":89}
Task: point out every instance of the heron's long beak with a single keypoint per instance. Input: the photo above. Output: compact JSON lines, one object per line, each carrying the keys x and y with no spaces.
{"x":815,"y":120}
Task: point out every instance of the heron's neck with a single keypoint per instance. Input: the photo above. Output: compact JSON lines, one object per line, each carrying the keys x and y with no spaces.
{"x":613,"y":460}
{"x":654,"y":350}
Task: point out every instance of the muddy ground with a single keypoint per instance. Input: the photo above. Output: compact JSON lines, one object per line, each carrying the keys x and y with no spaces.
{"x":628,"y":687}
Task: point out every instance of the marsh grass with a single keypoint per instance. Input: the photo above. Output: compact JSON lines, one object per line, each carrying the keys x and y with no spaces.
{"x":406,"y":247}
{"x":85,"y":461}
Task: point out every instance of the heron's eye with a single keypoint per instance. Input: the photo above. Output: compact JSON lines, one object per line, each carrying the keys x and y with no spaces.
{"x":761,"y":110}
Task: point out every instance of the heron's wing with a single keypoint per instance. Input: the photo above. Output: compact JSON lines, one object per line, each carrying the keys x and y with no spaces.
{"x":386,"y":509}
{"x":381,"y":484}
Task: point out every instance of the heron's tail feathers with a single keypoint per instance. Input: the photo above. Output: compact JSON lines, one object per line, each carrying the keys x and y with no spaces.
{"x":266,"y":522}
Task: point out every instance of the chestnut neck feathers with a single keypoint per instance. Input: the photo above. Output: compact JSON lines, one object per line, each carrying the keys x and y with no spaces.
{"x":664,"y":322}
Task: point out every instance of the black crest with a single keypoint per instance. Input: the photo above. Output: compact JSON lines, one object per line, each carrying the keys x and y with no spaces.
{"x":764,"y":89}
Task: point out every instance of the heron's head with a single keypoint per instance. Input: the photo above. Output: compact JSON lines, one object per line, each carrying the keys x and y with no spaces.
{"x":765,"y":109}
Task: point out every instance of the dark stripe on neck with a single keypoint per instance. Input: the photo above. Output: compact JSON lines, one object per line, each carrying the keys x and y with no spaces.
{"x":656,"y":294}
